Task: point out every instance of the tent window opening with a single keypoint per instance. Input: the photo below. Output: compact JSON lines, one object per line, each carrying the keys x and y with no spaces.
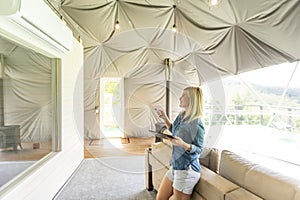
{"x":111,"y":121}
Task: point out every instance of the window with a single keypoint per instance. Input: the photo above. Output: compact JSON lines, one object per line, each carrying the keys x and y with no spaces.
{"x":29,"y":107}
{"x":262,"y":116}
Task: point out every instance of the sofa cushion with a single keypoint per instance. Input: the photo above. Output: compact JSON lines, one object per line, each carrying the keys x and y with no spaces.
{"x":234,"y":167}
{"x":271,"y":185}
{"x":241,"y":193}
{"x":212,"y":186}
{"x":259,"y":180}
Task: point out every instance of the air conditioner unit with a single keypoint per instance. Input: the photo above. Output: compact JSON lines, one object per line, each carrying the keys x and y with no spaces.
{"x":36,"y":17}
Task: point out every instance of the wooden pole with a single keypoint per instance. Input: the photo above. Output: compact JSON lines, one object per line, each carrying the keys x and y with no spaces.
{"x":168,"y":64}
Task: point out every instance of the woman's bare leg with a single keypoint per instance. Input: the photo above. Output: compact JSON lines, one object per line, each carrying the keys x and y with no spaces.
{"x":165,"y":190}
{"x":180,"y":195}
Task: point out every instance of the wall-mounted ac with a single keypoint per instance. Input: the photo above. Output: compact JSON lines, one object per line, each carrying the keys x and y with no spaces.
{"x":38,"y":19}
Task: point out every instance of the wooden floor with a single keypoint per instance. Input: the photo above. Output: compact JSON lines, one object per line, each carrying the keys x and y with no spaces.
{"x":117,"y":147}
{"x":98,"y":148}
{"x":29,"y":152}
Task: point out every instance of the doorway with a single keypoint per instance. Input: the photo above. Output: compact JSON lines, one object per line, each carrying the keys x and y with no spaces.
{"x":111,"y":108}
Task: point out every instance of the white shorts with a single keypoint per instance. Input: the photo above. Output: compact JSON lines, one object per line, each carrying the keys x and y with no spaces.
{"x":183,"y":180}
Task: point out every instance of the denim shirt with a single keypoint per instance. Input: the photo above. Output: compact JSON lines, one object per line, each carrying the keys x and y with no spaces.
{"x":191,"y":133}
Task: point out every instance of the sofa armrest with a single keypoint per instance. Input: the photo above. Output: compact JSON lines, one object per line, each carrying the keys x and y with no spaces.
{"x":159,"y":169}
{"x":162,"y":151}
{"x":213,"y":186}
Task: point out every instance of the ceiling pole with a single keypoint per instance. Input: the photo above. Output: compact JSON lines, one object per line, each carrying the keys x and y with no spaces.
{"x":168,"y":64}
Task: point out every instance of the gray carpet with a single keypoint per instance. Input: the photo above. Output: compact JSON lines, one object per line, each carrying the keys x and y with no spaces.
{"x":110,"y":178}
{"x":9,"y":170}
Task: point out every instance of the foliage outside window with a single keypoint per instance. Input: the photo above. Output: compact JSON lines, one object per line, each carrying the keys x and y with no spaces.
{"x":261,"y":114}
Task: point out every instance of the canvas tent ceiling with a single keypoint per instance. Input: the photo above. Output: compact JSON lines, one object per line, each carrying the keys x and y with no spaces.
{"x":233,"y":37}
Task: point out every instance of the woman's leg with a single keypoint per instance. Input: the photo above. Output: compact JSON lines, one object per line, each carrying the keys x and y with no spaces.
{"x":180,"y":195}
{"x":184,"y":183}
{"x":165,"y":190}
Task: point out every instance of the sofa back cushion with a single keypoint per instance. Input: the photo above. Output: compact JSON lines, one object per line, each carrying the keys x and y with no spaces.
{"x":257,"y":179}
{"x":272,"y":185}
{"x":210,"y":158}
{"x":234,"y":167}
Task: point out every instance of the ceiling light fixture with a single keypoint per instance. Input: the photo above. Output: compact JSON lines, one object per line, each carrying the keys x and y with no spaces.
{"x":79,"y":39}
{"x":117,"y":25}
{"x":214,"y":2}
{"x":174,"y":25}
{"x":174,"y":28}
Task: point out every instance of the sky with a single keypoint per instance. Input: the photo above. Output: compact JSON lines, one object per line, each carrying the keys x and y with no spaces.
{"x":277,"y":75}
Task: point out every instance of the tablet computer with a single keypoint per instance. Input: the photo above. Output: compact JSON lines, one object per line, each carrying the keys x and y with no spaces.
{"x":161,"y":135}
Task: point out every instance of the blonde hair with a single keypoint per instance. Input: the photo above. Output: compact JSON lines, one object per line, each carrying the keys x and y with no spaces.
{"x":195,"y":109}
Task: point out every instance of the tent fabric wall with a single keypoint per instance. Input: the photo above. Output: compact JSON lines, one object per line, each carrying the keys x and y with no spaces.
{"x":140,"y":66}
{"x":27,"y":92}
{"x":233,"y":37}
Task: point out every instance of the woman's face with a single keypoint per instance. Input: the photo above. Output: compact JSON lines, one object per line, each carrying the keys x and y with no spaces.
{"x":184,"y":100}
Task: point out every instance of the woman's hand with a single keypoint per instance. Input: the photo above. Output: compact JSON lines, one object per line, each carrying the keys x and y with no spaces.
{"x":161,"y":113}
{"x":177,"y":141}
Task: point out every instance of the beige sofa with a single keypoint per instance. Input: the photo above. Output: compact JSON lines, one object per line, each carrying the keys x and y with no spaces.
{"x":224,"y":176}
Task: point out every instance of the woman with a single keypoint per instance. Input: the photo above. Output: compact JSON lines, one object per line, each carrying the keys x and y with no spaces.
{"x":188,"y":130}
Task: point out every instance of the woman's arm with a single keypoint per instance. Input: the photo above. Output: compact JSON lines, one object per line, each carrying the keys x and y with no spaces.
{"x":198,"y":140}
{"x":196,"y":145}
{"x":167,"y":122}
{"x":163,"y":115}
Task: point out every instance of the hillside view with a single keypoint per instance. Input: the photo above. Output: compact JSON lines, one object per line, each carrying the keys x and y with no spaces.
{"x":259,"y":118}
{"x":268,"y":97}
